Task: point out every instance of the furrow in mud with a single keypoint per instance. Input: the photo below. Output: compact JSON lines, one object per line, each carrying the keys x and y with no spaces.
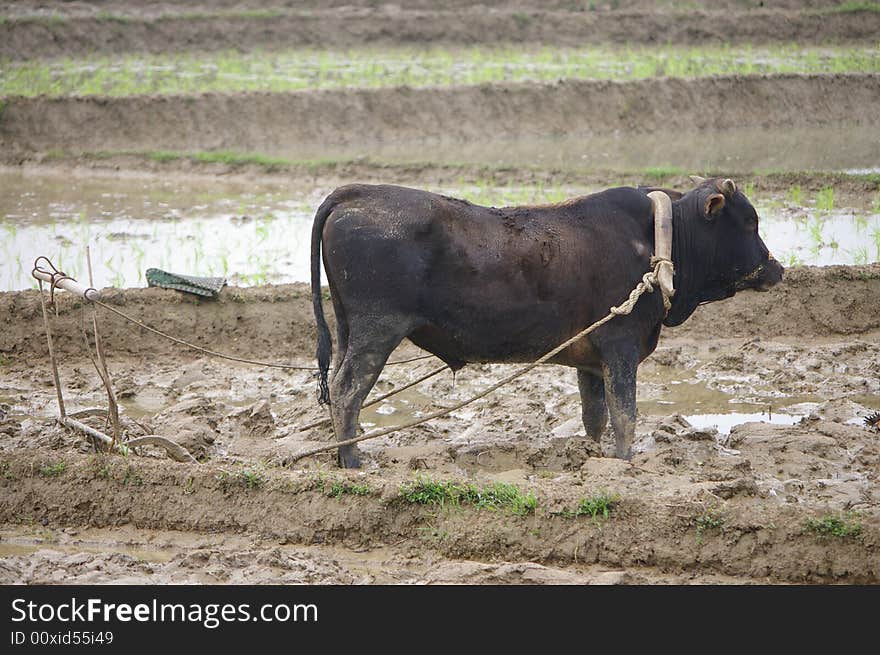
{"x":316,"y":121}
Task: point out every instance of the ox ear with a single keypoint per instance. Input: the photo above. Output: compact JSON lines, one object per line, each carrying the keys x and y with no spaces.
{"x":727,"y":187}
{"x":714,"y":204}
{"x":696,"y":179}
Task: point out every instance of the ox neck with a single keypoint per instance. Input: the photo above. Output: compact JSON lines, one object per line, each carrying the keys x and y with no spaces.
{"x":687,"y":259}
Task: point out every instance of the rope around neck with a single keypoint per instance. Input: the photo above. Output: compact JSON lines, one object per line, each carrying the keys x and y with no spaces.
{"x":649,"y":281}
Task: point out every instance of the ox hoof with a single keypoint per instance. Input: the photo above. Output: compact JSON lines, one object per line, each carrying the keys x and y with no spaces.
{"x":624,"y":453}
{"x":349,"y":458}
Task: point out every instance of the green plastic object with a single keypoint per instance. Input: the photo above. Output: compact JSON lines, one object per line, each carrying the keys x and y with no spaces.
{"x":209,"y":287}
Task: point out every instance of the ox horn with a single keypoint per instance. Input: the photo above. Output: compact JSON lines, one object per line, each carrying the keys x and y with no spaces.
{"x":696,"y":179}
{"x":727,"y":187}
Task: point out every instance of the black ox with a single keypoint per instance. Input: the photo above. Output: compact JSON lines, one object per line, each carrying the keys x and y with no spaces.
{"x":481,"y":284}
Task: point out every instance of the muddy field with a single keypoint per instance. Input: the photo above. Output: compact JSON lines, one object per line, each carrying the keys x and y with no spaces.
{"x":754,"y":461}
{"x":798,"y":366}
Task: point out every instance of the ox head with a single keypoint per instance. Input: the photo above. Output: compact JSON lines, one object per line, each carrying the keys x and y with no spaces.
{"x":720,"y":251}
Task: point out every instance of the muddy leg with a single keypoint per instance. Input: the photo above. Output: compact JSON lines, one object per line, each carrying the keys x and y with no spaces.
{"x":341,"y":337}
{"x":355,"y":376}
{"x":620,"y":394}
{"x":593,"y":409}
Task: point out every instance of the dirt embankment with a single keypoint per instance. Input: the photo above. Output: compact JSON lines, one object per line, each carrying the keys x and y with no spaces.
{"x":277,"y":320}
{"x":758,"y":543}
{"x":152,"y":8}
{"x":851,"y":190}
{"x":39,"y":37}
{"x":289,"y":123}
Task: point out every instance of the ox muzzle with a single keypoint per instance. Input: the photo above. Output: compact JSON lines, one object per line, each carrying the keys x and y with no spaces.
{"x":765,"y":276}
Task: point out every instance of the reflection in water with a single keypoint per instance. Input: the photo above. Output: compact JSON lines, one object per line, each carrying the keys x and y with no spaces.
{"x":725,"y":422}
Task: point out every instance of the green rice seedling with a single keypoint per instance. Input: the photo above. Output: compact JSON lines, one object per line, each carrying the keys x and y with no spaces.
{"x":371,"y":67}
{"x":860,"y":256}
{"x":875,"y":236}
{"x":796,"y":195}
{"x":825,"y":199}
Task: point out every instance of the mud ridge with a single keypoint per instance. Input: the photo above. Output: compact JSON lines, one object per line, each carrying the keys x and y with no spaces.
{"x":30,"y":38}
{"x":850,"y":189}
{"x":758,"y":542}
{"x":277,"y":320}
{"x":289,"y":123}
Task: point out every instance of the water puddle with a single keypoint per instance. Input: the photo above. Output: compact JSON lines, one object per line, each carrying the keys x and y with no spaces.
{"x":725,"y":422}
{"x":13,"y":545}
{"x":257,"y":234}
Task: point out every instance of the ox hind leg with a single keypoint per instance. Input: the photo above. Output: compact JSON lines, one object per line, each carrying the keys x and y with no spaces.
{"x":594,"y":411}
{"x":368,"y":349}
{"x":341,"y":335}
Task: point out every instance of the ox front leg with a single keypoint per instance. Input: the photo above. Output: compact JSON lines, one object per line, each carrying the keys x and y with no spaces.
{"x":619,"y":371}
{"x":594,"y":411}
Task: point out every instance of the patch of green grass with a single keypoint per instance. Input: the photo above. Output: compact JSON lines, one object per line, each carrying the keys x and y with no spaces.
{"x":6,"y":470}
{"x":662,"y":173}
{"x":290,"y":70}
{"x":52,"y":470}
{"x":796,"y":195}
{"x":239,"y":14}
{"x":337,"y":487}
{"x":841,"y":526}
{"x":132,"y":477}
{"x":227,"y":157}
{"x":251,"y":478}
{"x":710,"y":519}
{"x":598,"y":506}
{"x":107,"y":17}
{"x":497,"y":496}
{"x":102,"y":467}
{"x":163,"y":156}
{"x":853,"y":7}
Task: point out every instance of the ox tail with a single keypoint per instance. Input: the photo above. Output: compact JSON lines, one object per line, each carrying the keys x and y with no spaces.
{"x":325,"y":345}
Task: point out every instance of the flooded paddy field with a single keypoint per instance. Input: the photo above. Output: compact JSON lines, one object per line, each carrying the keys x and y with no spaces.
{"x":255,"y":234}
{"x":200,"y":137}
